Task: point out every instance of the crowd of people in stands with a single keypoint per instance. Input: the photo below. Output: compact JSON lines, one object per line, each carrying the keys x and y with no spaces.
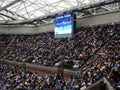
{"x":17,"y":78}
{"x":106,"y":63}
{"x":44,"y":49}
{"x":97,"y":48}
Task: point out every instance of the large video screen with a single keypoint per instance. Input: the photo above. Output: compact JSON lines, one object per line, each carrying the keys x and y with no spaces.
{"x":63,"y":25}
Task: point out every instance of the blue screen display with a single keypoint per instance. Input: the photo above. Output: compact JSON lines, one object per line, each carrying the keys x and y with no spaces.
{"x":63,"y":24}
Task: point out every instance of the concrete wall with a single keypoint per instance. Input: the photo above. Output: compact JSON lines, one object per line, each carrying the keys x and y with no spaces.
{"x":99,"y":19}
{"x":86,"y":21}
{"x":48,"y":70}
{"x":27,"y":30}
{"x":102,"y":84}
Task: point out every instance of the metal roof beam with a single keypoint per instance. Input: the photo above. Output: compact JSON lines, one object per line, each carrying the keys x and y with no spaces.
{"x":10,"y":4}
{"x":7,"y":16}
{"x":15,"y":14}
{"x":107,"y":8}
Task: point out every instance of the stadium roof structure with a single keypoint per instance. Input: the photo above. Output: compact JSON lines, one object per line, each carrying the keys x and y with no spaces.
{"x":29,"y":9}
{"x":18,"y":10}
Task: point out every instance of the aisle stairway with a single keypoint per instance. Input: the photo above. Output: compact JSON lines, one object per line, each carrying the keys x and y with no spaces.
{"x":12,"y":40}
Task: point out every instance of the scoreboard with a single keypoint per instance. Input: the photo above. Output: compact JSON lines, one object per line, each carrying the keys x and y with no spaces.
{"x":63,"y":25}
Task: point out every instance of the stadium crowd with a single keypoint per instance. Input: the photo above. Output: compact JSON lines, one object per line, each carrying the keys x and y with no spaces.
{"x":106,"y":63}
{"x":17,"y":78}
{"x":44,"y":49}
{"x":99,"y":44}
